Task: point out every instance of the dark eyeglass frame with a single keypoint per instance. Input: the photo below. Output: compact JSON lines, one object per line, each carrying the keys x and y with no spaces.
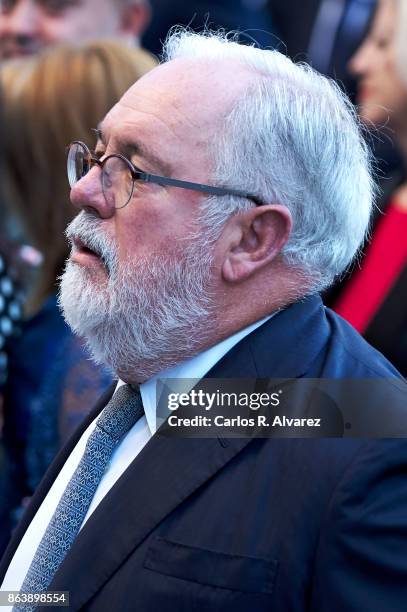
{"x":139,"y":175}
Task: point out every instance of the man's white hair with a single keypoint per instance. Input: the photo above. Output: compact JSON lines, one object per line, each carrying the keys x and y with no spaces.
{"x":293,"y":138}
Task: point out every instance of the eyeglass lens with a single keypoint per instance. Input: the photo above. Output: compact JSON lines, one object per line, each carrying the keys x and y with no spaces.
{"x":117,"y":180}
{"x":78,"y":163}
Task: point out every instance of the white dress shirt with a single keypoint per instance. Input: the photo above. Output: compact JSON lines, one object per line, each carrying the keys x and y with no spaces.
{"x":129,"y":447}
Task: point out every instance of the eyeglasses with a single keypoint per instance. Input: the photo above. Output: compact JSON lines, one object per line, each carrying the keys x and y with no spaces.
{"x":119,"y":176}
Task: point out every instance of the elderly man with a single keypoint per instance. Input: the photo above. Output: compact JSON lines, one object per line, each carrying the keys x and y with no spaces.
{"x":227,"y":187}
{"x":27,"y":26}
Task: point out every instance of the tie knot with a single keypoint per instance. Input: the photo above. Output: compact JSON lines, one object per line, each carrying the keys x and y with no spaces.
{"x":121,"y":413}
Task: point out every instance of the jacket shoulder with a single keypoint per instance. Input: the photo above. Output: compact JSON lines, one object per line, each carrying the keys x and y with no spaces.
{"x":349,"y":355}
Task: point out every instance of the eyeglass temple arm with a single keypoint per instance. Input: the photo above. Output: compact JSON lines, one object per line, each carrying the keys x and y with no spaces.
{"x":154,"y":178}
{"x":161,"y":180}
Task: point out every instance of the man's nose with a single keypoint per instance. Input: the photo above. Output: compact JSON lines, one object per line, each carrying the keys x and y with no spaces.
{"x":87,"y":194}
{"x":359,"y":61}
{"x":24,"y":21}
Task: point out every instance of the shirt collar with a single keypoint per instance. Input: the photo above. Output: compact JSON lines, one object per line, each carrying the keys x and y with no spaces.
{"x":194,"y":368}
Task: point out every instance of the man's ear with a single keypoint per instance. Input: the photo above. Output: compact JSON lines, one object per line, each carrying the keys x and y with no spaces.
{"x":255,"y":238}
{"x":136,"y":17}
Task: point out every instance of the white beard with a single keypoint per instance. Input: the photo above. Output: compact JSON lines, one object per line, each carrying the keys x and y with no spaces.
{"x":149,"y":315}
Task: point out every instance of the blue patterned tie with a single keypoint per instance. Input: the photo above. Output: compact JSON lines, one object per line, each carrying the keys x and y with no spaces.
{"x":120,"y":414}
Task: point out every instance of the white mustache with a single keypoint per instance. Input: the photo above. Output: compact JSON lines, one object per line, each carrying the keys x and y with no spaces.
{"x":87,"y":229}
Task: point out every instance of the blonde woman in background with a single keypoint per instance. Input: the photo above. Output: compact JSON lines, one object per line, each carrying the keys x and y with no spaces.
{"x":375,"y":298}
{"x":48,"y":101}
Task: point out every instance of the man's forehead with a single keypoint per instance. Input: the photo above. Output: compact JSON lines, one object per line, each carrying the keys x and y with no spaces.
{"x":176,"y":109}
{"x":198,"y":91}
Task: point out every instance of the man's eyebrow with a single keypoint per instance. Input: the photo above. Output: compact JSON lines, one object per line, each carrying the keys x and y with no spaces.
{"x":138,"y":148}
{"x":99,"y":134}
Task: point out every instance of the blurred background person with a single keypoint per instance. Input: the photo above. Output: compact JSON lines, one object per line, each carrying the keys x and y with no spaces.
{"x":10,"y":319}
{"x":324,"y":33}
{"x":10,"y":302}
{"x":28,"y":26}
{"x":401,"y":39}
{"x":48,"y":101}
{"x":374,"y":299}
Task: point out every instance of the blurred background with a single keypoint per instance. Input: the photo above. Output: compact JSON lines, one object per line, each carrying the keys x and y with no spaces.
{"x":64,"y":63}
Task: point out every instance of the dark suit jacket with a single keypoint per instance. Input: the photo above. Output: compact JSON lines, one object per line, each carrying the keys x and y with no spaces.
{"x":223,"y":525}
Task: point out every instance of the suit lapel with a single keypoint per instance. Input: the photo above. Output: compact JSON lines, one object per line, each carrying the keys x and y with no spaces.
{"x":286,"y":346}
{"x":163,"y":475}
